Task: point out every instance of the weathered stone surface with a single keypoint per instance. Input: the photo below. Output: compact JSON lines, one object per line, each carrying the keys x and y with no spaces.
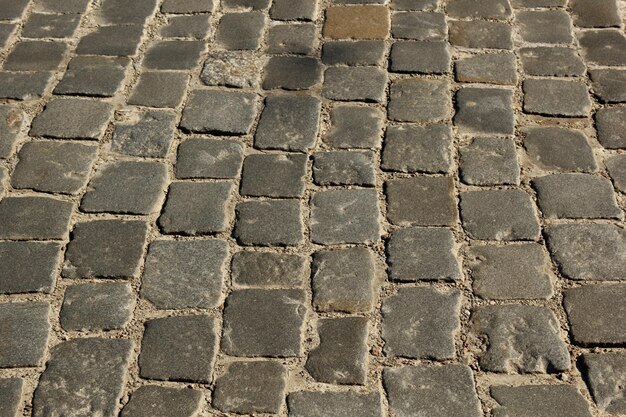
{"x":269,"y":223}
{"x":72,"y":119}
{"x":264,"y":323}
{"x":11,"y":120}
{"x":121,"y":12}
{"x":421,"y":323}
{"x":155,"y":401}
{"x":292,"y":73}
{"x":603,"y":47}
{"x":12,"y":9}
{"x":480,"y":34}
{"x":193,"y":26}
{"x":421,"y":26}
{"x":214,"y":111}
{"x":93,"y":76}
{"x":487,"y":9}
{"x":35,"y":56}
{"x":344,"y":216}
{"x":6,"y":29}
{"x":616,"y":165}
{"x":95,"y":366}
{"x":484,"y":111}
{"x":34,"y":217}
{"x":25,"y":330}
{"x":544,"y":26}
{"x":355,"y":84}
{"x":338,"y":404}
{"x":293,"y":10}
{"x":10,"y":396}
{"x":538,"y":3}
{"x":187,"y":6}
{"x":490,"y":161}
{"x":184,"y":274}
{"x":180,"y":348}
{"x":411,"y":148}
{"x":117,"y":40}
{"x":173,"y":55}
{"x":588,"y":13}
{"x":420,"y":253}
{"x":59,"y":6}
{"x":611,"y":125}
{"x":608,"y":85}
{"x":159,"y":89}
{"x":558,"y":149}
{"x":421,"y":201}
{"x":231,"y":69}
{"x":604,"y":375}
{"x":261,"y":269}
{"x":105,"y":249}
{"x":435,"y":391}
{"x":209,"y":158}
{"x":556,"y":98}
{"x":250,"y":387}
{"x":544,"y":400}
{"x":23,"y":85}
{"x":424,"y":57}
{"x":344,"y":168}
{"x":101,"y":306}
{"x":41,"y":25}
{"x":262,"y":171}
{"x":520,"y":339}
{"x":361,"y":22}
{"x":294,"y":39}
{"x":150,"y":136}
{"x":240,"y":31}
{"x":354,"y":127}
{"x":546,"y":61}
{"x":365,"y":52}
{"x":521,"y":271}
{"x":497,"y":68}
{"x":419,"y":100}
{"x":596,"y":314}
{"x":28,"y":266}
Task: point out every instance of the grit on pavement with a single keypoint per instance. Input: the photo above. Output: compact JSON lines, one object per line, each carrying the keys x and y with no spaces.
{"x":312,"y":208}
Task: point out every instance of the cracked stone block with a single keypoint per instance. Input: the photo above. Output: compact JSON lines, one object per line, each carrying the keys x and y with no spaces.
{"x":557,"y":62}
{"x":293,"y":10}
{"x":421,"y":26}
{"x":485,"y":111}
{"x":337,"y":404}
{"x":35,"y":56}
{"x":251,"y":387}
{"x":420,"y":253}
{"x":179,"y":348}
{"x":55,"y":167}
{"x":193,"y":26}
{"x":292,"y":39}
{"x":480,"y":34}
{"x":93,"y":76}
{"x":608,"y":85}
{"x":231,"y":69}
{"x":556,"y":97}
{"x":261,"y":269}
{"x":209,"y":158}
{"x":543,"y":400}
{"x":240,"y":31}
{"x":359,"y":22}
{"x":611,"y":126}
{"x":604,"y":376}
{"x":28,"y":218}
{"x":11,"y":121}
{"x":155,"y":401}
{"x":616,"y":165}
{"x":341,"y":356}
{"x":288,"y":123}
{"x":10,"y":396}
{"x":419,"y":100}
{"x":364,"y":52}
{"x":105,"y":249}
{"x":252,"y":4}
{"x":269,"y":223}
{"x":118,"y":40}
{"x":96,"y":366}
{"x":424,"y":57}
{"x":434,"y":391}
{"x":25,"y":329}
{"x":39,"y":25}
{"x":603,"y":47}
{"x":261,"y":171}
{"x":100,"y":306}
{"x":366,"y":84}
{"x":486,"y":9}
{"x":173,"y":55}
{"x":421,"y":323}
{"x":490,"y":68}
{"x":23,"y":85}
{"x":130,"y":187}
{"x":12,"y":9}
{"x":215,"y":111}
{"x":264,"y":323}
{"x":70,"y":118}
{"x":159,"y":89}
{"x":588,"y":13}
{"x":292,"y":72}
{"x":576,"y":196}
{"x":521,"y":271}
{"x":344,"y":168}
{"x":554,"y":148}
{"x":122,"y":12}
{"x":60,"y":6}
{"x":344,"y":216}
{"x":354,"y":127}
{"x":520,"y":339}
{"x":27,"y":267}
{"x":148,"y":134}
{"x":490,"y":161}
{"x":196,"y":208}
{"x":596,"y":314}
{"x":187,"y":6}
{"x":544,"y":26}
{"x":499,"y":215}
{"x":184,"y":274}
{"x":421,"y":201}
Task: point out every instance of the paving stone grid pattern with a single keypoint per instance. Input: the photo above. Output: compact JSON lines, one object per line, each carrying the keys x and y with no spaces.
{"x":312,"y":208}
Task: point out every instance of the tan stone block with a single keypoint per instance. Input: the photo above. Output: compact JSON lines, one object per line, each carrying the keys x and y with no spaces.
{"x":361,"y":22}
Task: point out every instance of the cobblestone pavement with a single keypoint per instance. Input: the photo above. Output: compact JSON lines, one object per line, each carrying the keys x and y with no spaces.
{"x":312,"y":208}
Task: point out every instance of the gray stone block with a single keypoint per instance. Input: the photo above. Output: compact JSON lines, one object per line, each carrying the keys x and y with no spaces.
{"x":421,"y":201}
{"x":337,"y":404}
{"x":268,"y":269}
{"x":159,"y":89}
{"x":25,"y":329}
{"x":546,"y":61}
{"x":101,"y":306}
{"x":187,"y":6}
{"x":118,"y":40}
{"x":122,"y":12}
{"x":34,"y":217}
{"x":611,"y":126}
{"x":274,"y":175}
{"x":588,"y":13}
{"x":293,"y":10}
{"x":603,"y":47}
{"x":490,"y":161}
{"x":150,"y":136}
{"x":209,"y":158}
{"x":156,"y":401}
{"x":484,"y":111}
{"x":556,"y":97}
{"x":41,"y":25}
{"x":421,"y":26}
{"x":414,"y":4}
{"x":495,"y":68}
{"x":344,"y":168}
{"x":292,"y":39}
{"x":558,"y":149}
{"x":419,"y":100}
{"x":603,"y":373}
{"x":28,"y":266}
{"x":354,"y":127}
{"x":60,"y":6}
{"x":11,"y":121}
{"x":292,"y":73}
{"x":173,"y":55}
{"x":71,"y":118}
{"x":240,"y":31}
{"x":485,"y":9}
{"x":192,"y":26}
{"x":544,"y":26}
{"x":12,"y":9}
{"x":269,"y":223}
{"x":616,"y":165}
{"x":231,"y":69}
{"x":424,"y":57}
{"x":23,"y":85}
{"x":35,"y":56}
{"x":366,"y":84}
{"x":93,"y":76}
{"x":10,"y":396}
{"x":357,"y":52}
{"x":608,"y":85}
{"x":252,"y":4}
{"x":225,"y":112}
{"x":480,"y":34}
{"x":544,"y":400}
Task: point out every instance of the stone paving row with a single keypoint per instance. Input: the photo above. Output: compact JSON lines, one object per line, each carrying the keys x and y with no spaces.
{"x":312,"y":208}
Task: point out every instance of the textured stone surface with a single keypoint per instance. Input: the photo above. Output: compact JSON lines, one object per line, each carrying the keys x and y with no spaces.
{"x":355,"y":84}
{"x":611,"y":125}
{"x":93,"y":76}
{"x":231,"y":69}
{"x":556,"y":98}
{"x":173,"y":55}
{"x":422,"y":26}
{"x":480,"y":34}
{"x":260,"y":269}
{"x":28,"y":266}
{"x":545,"y":61}
{"x":411,"y":148}
{"x":35,"y":55}
{"x":544,"y":400}
{"x":363,"y":52}
{"x":490,"y":9}
{"x":72,"y":119}
{"x":616,"y":166}
{"x":484,"y":111}
{"x":150,"y":136}
{"x":421,"y":201}
{"x":11,"y":120}
{"x":159,"y":89}
{"x":269,"y":223}
{"x":292,"y":73}
{"x":557,"y":149}
{"x":155,"y":401}
{"x":487,"y":68}
{"x":354,"y":127}
{"x":590,"y":14}
{"x":213,"y":111}
{"x":430,"y":57}
{"x":295,"y":39}
{"x":102,"y":306}
{"x":490,"y":161}
{"x":544,"y":26}
{"x":25,"y":328}
{"x":209,"y":158}
{"x":194,"y":26}
{"x":34,"y":217}
{"x":344,"y":168}
{"x":261,"y":171}
{"x":41,"y":25}
{"x":608,"y":85}
{"x":603,"y":47}
{"x":240,"y":31}
{"x":361,"y":22}
{"x":419,"y":100}
{"x":604,"y":375}
{"x":10,"y":396}
{"x":340,"y":404}
{"x":116,"y":40}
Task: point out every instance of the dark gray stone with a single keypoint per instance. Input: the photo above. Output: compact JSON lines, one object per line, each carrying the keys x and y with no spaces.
{"x":23,"y":85}
{"x":34,"y":217}
{"x":414,"y":4}
{"x":604,"y":373}
{"x":240,"y":31}
{"x":293,"y":9}
{"x":12,"y":9}
{"x":41,"y":25}
{"x":11,"y":121}
{"x":355,"y":84}
{"x":496,"y":68}
{"x":425,"y":57}
{"x":292,"y":39}
{"x":55,"y":167}
{"x":251,"y":387}
{"x":434,"y":391}
{"x":264,"y":323}
{"x":266,"y":269}
{"x":274,"y":175}
{"x":421,"y":201}
{"x":160,"y":89}
{"x":611,"y":126}
{"x":609,"y":85}
{"x":121,"y":12}
{"x":544,"y":26}
{"x":70,"y":118}
{"x":6,"y":29}
{"x":60,"y":6}
{"x":173,"y":55}
{"x":543,"y":400}
{"x":616,"y":165}
{"x":603,"y":47}
{"x":184,"y":274}
{"x":499,"y":215}
{"x":336,"y":404}
{"x":588,"y":13}
{"x":28,"y":266}
{"x":187,"y":6}
{"x":344,"y":168}
{"x":105,"y":249}
{"x":486,"y":9}
{"x":341,"y":356}
{"x":252,"y":4}
{"x":209,"y":158}
{"x":484,"y":111}
{"x":359,"y":52}
{"x":194,"y":26}
{"x":596,"y":314}
{"x":421,"y":26}
{"x":292,"y":73}
{"x":419,"y":100}
{"x":521,"y":271}
{"x":10,"y":396}
{"x":420,"y":253}
{"x":556,"y":97}
{"x":148,"y":134}
{"x":421,"y":323}
{"x":269,"y":223}
{"x":93,"y":76}
{"x":288,"y":123}
{"x":76,"y":367}
{"x":558,"y":62}
{"x":554,"y":148}
{"x":196,"y":208}
{"x":214,"y":111}
{"x":35,"y":56}
{"x":490,"y":161}
{"x":101,"y":306}
{"x":538,"y":3}
{"x":25,"y":329}
{"x":119,"y":40}
{"x":480,"y":34}
{"x":155,"y":401}
{"x":354,"y":127}
{"x":180,"y":348}
{"x":231,"y":69}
